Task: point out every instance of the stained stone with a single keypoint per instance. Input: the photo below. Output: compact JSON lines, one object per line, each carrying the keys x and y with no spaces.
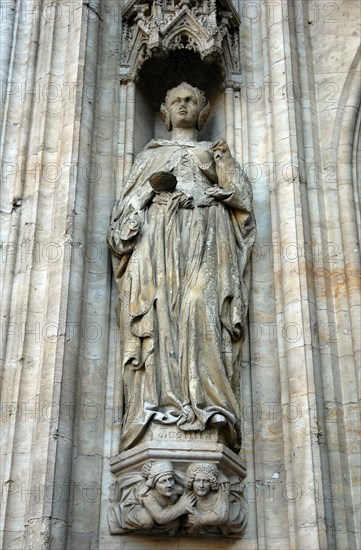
{"x":77,"y":106}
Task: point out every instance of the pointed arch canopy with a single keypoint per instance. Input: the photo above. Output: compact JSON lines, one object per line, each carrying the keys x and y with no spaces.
{"x":156,"y":28}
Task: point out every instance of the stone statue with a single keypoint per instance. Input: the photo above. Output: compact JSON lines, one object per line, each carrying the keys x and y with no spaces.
{"x":218,"y":508}
{"x":154,"y":503}
{"x":182,"y":232}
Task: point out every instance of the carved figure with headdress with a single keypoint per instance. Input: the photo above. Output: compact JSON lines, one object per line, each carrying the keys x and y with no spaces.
{"x":154,"y":503}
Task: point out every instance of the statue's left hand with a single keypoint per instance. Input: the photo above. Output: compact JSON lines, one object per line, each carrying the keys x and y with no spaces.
{"x":221,"y":150}
{"x":131,"y":228}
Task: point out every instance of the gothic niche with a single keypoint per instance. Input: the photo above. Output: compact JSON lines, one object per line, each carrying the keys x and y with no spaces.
{"x":181,"y":235}
{"x":155,"y":29}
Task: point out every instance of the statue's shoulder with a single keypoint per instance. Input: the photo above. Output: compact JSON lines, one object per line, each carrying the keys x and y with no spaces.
{"x":155,"y":143}
{"x":147,"y":153}
{"x":205,"y":144}
{"x":158,"y":143}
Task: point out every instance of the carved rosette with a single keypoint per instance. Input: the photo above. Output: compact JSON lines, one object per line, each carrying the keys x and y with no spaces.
{"x":156,"y":28}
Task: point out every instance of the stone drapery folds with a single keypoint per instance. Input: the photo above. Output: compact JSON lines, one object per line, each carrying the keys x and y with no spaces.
{"x":182,"y":298}
{"x":182,"y":233}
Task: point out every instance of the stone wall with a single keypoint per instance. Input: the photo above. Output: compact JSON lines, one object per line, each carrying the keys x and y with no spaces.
{"x":296,"y":129}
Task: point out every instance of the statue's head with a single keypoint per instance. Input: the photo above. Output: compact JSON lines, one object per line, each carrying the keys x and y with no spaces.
{"x":185,"y":107}
{"x":159,"y":475}
{"x":202,"y":478}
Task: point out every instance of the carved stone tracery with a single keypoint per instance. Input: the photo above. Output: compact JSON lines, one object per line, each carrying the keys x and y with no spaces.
{"x":158,"y":27}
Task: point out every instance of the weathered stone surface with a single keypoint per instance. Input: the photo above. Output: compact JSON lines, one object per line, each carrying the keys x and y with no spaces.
{"x":182,"y":236}
{"x":155,"y":29}
{"x":181,"y":453}
{"x":160,"y":499}
{"x":296,"y":104}
{"x":181,"y":325}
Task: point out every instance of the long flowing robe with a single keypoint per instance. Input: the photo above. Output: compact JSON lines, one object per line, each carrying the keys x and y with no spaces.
{"x":183,"y":298}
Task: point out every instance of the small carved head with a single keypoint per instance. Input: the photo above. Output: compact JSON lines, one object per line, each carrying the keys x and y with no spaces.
{"x":200,"y":98}
{"x":153,"y":471}
{"x":202,"y":471}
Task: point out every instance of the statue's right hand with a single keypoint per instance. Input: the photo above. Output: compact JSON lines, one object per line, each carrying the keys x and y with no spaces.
{"x":187,"y":501}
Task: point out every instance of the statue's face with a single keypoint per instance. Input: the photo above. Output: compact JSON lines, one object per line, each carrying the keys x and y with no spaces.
{"x":201,"y":485}
{"x":183,"y":108}
{"x":165,"y":485}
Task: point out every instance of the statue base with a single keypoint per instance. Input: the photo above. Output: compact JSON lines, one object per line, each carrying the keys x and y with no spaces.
{"x":181,"y":453}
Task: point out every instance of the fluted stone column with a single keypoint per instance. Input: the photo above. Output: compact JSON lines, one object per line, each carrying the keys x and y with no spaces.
{"x":58,"y":192}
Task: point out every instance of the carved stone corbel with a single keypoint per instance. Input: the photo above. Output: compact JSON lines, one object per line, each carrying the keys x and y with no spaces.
{"x":178,"y":497}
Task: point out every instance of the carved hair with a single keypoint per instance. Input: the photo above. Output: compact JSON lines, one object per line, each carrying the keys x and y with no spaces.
{"x":203,"y":468}
{"x":203,"y":104}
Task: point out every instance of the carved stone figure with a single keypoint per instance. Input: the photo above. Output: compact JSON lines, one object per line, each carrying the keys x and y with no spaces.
{"x":151,"y":502}
{"x":182,"y":254}
{"x":218,"y":508}
{"x":162,"y":500}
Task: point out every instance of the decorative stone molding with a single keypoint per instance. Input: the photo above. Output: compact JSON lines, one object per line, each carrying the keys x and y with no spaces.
{"x":155,"y":29}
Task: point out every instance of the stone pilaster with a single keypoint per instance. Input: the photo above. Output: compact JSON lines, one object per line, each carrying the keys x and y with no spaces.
{"x":53,"y":183}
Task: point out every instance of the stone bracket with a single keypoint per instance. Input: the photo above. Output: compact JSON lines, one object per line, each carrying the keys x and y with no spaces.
{"x":178,"y":488}
{"x":181,"y":453}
